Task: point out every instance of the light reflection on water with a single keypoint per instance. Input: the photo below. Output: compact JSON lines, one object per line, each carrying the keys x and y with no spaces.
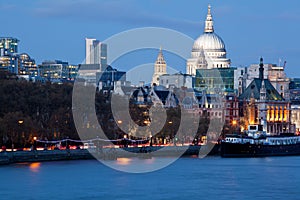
{"x":123,"y":161}
{"x":187,"y":178}
{"x":134,"y":161}
{"x":34,"y":167}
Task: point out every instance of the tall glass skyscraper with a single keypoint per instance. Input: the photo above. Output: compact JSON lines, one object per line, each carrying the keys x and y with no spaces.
{"x":95,"y":53}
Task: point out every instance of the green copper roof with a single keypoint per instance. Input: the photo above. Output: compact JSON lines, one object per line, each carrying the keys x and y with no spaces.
{"x":254,"y":90}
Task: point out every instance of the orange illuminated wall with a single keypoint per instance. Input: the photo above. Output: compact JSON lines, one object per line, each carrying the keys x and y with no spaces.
{"x":281,"y":113}
{"x":268,"y":113}
{"x":276,"y":113}
{"x":272,"y":113}
{"x":286,"y":113}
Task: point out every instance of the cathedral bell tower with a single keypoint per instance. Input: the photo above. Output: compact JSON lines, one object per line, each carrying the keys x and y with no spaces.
{"x":160,"y":68}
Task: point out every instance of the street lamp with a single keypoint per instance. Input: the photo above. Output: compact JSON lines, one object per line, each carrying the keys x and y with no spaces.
{"x":125,"y":140}
{"x":147,"y":122}
{"x":234,"y":124}
{"x":34,"y":143}
{"x":12,"y":138}
{"x":150,"y":139}
{"x":172,"y":132}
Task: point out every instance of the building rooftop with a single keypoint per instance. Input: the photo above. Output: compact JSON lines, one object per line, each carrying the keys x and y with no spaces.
{"x":253,"y":90}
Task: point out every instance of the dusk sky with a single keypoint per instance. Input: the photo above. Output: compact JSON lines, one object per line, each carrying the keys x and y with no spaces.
{"x":56,"y":29}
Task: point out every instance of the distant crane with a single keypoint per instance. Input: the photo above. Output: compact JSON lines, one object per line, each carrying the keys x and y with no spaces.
{"x":284,"y":64}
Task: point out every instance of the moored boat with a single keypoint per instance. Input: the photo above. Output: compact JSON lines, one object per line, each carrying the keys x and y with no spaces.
{"x":257,"y":143}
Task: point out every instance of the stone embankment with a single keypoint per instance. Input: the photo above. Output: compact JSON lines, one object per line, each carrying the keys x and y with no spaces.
{"x":7,"y":157}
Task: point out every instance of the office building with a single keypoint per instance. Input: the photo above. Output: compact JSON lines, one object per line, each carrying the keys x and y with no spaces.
{"x":8,"y":46}
{"x":95,"y":53}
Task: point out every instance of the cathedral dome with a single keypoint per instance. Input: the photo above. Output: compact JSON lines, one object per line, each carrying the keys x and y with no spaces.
{"x":209,"y":41}
{"x":209,"y":50}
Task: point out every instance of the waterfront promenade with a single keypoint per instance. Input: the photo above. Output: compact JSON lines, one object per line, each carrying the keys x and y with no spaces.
{"x":8,"y":157}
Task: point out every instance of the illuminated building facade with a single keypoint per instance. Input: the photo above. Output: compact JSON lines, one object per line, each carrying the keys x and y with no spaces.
{"x":294,"y":87}
{"x":9,"y":63}
{"x":10,"y":60}
{"x":26,"y":65}
{"x":262,"y":104}
{"x":8,"y":46}
{"x":8,"y":54}
{"x":57,"y":69}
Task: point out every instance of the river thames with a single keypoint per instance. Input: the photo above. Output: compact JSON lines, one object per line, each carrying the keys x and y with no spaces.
{"x":187,"y":178}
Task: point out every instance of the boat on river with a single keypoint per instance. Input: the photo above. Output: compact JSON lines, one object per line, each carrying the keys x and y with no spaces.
{"x":258,"y":143}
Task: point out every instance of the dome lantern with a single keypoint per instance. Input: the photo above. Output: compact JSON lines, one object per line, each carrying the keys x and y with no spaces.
{"x":209,"y":23}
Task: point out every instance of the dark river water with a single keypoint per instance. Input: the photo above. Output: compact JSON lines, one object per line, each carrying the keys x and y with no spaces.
{"x":187,"y":178}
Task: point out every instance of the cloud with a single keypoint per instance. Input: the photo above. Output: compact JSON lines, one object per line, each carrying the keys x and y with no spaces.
{"x":223,"y":10}
{"x":5,"y":7}
{"x":289,"y":16}
{"x":118,"y":11}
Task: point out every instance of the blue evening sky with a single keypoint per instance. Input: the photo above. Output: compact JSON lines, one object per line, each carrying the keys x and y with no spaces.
{"x":55,"y":29}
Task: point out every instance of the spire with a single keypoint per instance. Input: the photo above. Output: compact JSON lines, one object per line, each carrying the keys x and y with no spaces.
{"x":160,"y":58}
{"x":261,"y":69}
{"x":201,"y":61}
{"x":263,"y":91}
{"x":209,"y":23}
{"x":160,"y":67}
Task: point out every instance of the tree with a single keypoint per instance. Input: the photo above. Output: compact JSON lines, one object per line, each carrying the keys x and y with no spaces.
{"x":18,"y":129}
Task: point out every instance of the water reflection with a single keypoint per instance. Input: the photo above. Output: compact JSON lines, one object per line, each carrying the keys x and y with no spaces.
{"x":35,"y":167}
{"x":124,"y":161}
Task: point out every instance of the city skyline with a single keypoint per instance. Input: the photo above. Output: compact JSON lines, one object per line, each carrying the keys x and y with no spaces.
{"x":249,"y":31}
